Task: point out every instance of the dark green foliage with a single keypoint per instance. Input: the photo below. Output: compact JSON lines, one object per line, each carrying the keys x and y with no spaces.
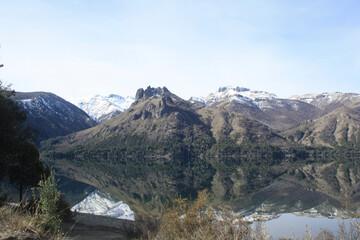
{"x":11,"y":129}
{"x":49,"y":198}
{"x":19,"y":159}
{"x":28,"y":169}
{"x":299,"y":135}
{"x":226,"y":146}
{"x":299,"y":152}
{"x":63,"y":208}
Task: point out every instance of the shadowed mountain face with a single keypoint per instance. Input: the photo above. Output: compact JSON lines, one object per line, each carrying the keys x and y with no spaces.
{"x":51,"y":115}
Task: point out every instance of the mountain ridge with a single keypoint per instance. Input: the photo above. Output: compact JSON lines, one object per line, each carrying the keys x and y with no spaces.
{"x":328,"y":101}
{"x":267,"y":108}
{"x":337,"y":128}
{"x":52,"y":115}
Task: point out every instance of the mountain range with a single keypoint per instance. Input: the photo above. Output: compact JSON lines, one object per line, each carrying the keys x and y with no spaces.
{"x":277,"y":113}
{"x":236,"y":142}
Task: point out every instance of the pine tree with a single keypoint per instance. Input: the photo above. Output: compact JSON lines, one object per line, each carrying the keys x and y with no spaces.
{"x":19,"y":158}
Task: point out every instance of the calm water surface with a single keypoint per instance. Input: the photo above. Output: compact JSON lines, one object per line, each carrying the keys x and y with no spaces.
{"x":288,"y":223}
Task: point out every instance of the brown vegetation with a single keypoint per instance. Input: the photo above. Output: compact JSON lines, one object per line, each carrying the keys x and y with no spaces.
{"x":187,"y":219}
{"x":16,"y":223}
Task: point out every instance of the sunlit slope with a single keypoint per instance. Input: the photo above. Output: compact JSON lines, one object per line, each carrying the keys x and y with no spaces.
{"x":337,"y":128}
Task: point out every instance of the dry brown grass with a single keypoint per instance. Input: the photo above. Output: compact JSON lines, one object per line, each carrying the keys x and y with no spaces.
{"x":196,"y":220}
{"x":19,"y":224}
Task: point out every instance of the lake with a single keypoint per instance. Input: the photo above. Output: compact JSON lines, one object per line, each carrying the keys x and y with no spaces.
{"x":289,"y":224}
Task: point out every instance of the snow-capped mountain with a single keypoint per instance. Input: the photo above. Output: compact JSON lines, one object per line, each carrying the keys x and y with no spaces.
{"x":52,"y":115}
{"x":328,"y":101}
{"x":101,"y":108}
{"x":99,"y":203}
{"x":264,"y":107}
{"x":239,"y":94}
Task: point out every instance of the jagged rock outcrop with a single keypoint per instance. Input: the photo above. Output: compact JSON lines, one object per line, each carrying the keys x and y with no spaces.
{"x":150,"y":92}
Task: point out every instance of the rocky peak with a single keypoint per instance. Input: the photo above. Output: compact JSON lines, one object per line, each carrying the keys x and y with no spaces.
{"x":150,"y":92}
{"x":156,"y":103}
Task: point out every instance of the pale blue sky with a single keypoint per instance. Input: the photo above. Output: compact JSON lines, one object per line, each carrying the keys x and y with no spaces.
{"x":76,"y":48}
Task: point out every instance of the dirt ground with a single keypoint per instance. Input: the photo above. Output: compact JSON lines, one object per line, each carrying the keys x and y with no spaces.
{"x":78,"y":231}
{"x":91,"y":227}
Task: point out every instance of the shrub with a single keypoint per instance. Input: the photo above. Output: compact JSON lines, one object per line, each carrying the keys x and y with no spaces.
{"x":48,"y":203}
{"x":196,"y":220}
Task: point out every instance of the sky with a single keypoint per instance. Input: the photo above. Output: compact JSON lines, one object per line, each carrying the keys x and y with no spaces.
{"x":77,"y":48}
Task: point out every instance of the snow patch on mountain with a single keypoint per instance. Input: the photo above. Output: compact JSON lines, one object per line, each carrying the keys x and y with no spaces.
{"x":241,"y":95}
{"x":52,"y":115}
{"x":101,"y":108}
{"x":198,"y":100}
{"x":325,"y":99}
{"x":308,"y":98}
{"x":99,"y":203}
{"x":47,"y":103}
{"x":39,"y":102}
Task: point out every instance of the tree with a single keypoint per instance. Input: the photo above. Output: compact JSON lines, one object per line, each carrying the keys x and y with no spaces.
{"x":19,"y":158}
{"x":49,"y":203}
{"x":28,"y":168}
